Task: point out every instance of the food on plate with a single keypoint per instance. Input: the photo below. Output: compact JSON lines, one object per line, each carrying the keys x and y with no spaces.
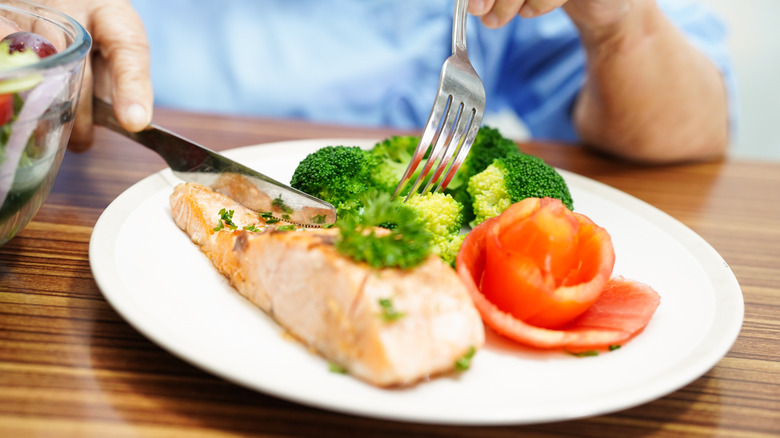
{"x":511,"y":179}
{"x":540,"y":274}
{"x":387,"y":326}
{"x":488,"y":145}
{"x":344,"y":175}
{"x":442,"y":216}
{"x":341,"y":174}
{"x":246,"y":190}
{"x":336,"y":174}
{"x":536,"y":269}
{"x":387,"y":234}
{"x":391,"y":158}
{"x":544,"y":264}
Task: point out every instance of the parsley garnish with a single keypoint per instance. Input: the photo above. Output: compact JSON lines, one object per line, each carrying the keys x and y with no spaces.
{"x":252,"y":228}
{"x":279,"y":203}
{"x":464,"y":362}
{"x":389,"y":313}
{"x":286,"y":228}
{"x":268,"y":217}
{"x":406,"y":246}
{"x":587,"y":353}
{"x":614,"y":347}
{"x":225,"y":218}
{"x":336,"y":368}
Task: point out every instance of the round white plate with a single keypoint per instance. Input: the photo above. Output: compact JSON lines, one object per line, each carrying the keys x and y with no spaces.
{"x":159,"y":281}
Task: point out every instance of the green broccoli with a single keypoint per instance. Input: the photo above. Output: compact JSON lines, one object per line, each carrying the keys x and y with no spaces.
{"x":511,"y":179}
{"x":336,"y":174}
{"x":442,"y":216}
{"x":392,"y":157}
{"x":404,"y":245}
{"x":488,"y":145}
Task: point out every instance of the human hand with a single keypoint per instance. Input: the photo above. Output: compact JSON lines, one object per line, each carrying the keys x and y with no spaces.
{"x":591,"y":14}
{"x":118,"y":68}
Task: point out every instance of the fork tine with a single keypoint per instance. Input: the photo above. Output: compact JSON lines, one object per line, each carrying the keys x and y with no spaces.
{"x":454,"y":145}
{"x":445,"y":137}
{"x":426,"y":140}
{"x":441,"y":143}
{"x":474,"y":122}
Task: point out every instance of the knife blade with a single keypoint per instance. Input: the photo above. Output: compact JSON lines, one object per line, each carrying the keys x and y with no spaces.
{"x":195,"y":163}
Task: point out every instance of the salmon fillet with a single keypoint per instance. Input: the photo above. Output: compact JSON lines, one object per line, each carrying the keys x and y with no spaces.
{"x":332,"y":303}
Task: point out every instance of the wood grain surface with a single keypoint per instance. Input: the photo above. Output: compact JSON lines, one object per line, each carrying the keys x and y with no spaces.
{"x":71,"y":366}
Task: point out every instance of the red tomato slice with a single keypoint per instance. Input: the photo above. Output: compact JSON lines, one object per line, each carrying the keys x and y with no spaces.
{"x":614,"y":311}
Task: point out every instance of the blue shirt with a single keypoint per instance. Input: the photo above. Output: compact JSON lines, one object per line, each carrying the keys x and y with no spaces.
{"x":373,"y":62}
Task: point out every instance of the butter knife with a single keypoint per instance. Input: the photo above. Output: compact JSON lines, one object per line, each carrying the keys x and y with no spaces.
{"x":194,"y":163}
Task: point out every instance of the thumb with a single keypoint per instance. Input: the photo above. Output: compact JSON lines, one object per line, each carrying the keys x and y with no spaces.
{"x":122,"y":72}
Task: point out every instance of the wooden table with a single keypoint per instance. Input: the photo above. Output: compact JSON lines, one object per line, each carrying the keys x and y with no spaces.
{"x":70,"y":365}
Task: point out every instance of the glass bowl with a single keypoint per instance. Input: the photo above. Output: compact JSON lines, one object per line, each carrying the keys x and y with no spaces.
{"x":45,"y":94}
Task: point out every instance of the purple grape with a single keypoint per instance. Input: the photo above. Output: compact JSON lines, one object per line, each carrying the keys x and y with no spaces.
{"x":21,"y":41}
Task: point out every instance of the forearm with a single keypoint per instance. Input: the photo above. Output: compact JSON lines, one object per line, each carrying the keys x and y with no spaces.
{"x":649,"y":95}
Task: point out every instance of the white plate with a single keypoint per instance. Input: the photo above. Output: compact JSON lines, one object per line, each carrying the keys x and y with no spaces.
{"x":158,"y":280}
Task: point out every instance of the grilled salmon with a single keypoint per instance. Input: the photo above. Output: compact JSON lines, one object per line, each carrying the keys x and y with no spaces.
{"x":388,"y":327}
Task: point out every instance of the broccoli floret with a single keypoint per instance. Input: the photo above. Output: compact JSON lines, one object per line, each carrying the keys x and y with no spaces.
{"x":392,"y":157}
{"x":442,"y":216}
{"x":488,"y":145}
{"x":511,"y":179}
{"x":336,"y":174}
{"x":404,"y":245}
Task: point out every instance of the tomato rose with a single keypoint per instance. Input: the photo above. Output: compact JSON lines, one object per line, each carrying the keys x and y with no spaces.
{"x":540,"y":274}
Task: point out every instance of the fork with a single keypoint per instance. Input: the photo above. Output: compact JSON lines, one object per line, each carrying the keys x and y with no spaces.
{"x":455,"y":117}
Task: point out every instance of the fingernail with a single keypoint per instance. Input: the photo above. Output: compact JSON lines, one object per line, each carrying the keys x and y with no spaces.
{"x":136,"y":116}
{"x":490,"y":20}
{"x":477,"y":7}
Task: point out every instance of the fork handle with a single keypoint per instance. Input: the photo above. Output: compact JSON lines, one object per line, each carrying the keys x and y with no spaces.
{"x":459,"y":26}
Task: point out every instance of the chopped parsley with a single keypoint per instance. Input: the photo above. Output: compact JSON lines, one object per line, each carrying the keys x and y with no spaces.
{"x":464,"y":362}
{"x":225,"y":218}
{"x":587,"y":353}
{"x":389,"y":313}
{"x":406,"y":246}
{"x":253,"y":228}
{"x":268,"y":217}
{"x":336,"y":368}
{"x":279,"y":203}
{"x":614,"y":347}
{"x":286,"y":228}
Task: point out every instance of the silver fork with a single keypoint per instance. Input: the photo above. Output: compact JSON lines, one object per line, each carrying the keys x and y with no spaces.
{"x":455,"y":117}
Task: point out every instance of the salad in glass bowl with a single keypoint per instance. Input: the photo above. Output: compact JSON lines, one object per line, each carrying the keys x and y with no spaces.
{"x":42,"y":58}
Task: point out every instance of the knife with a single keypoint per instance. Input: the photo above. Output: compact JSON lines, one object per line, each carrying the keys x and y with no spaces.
{"x":194,"y":163}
